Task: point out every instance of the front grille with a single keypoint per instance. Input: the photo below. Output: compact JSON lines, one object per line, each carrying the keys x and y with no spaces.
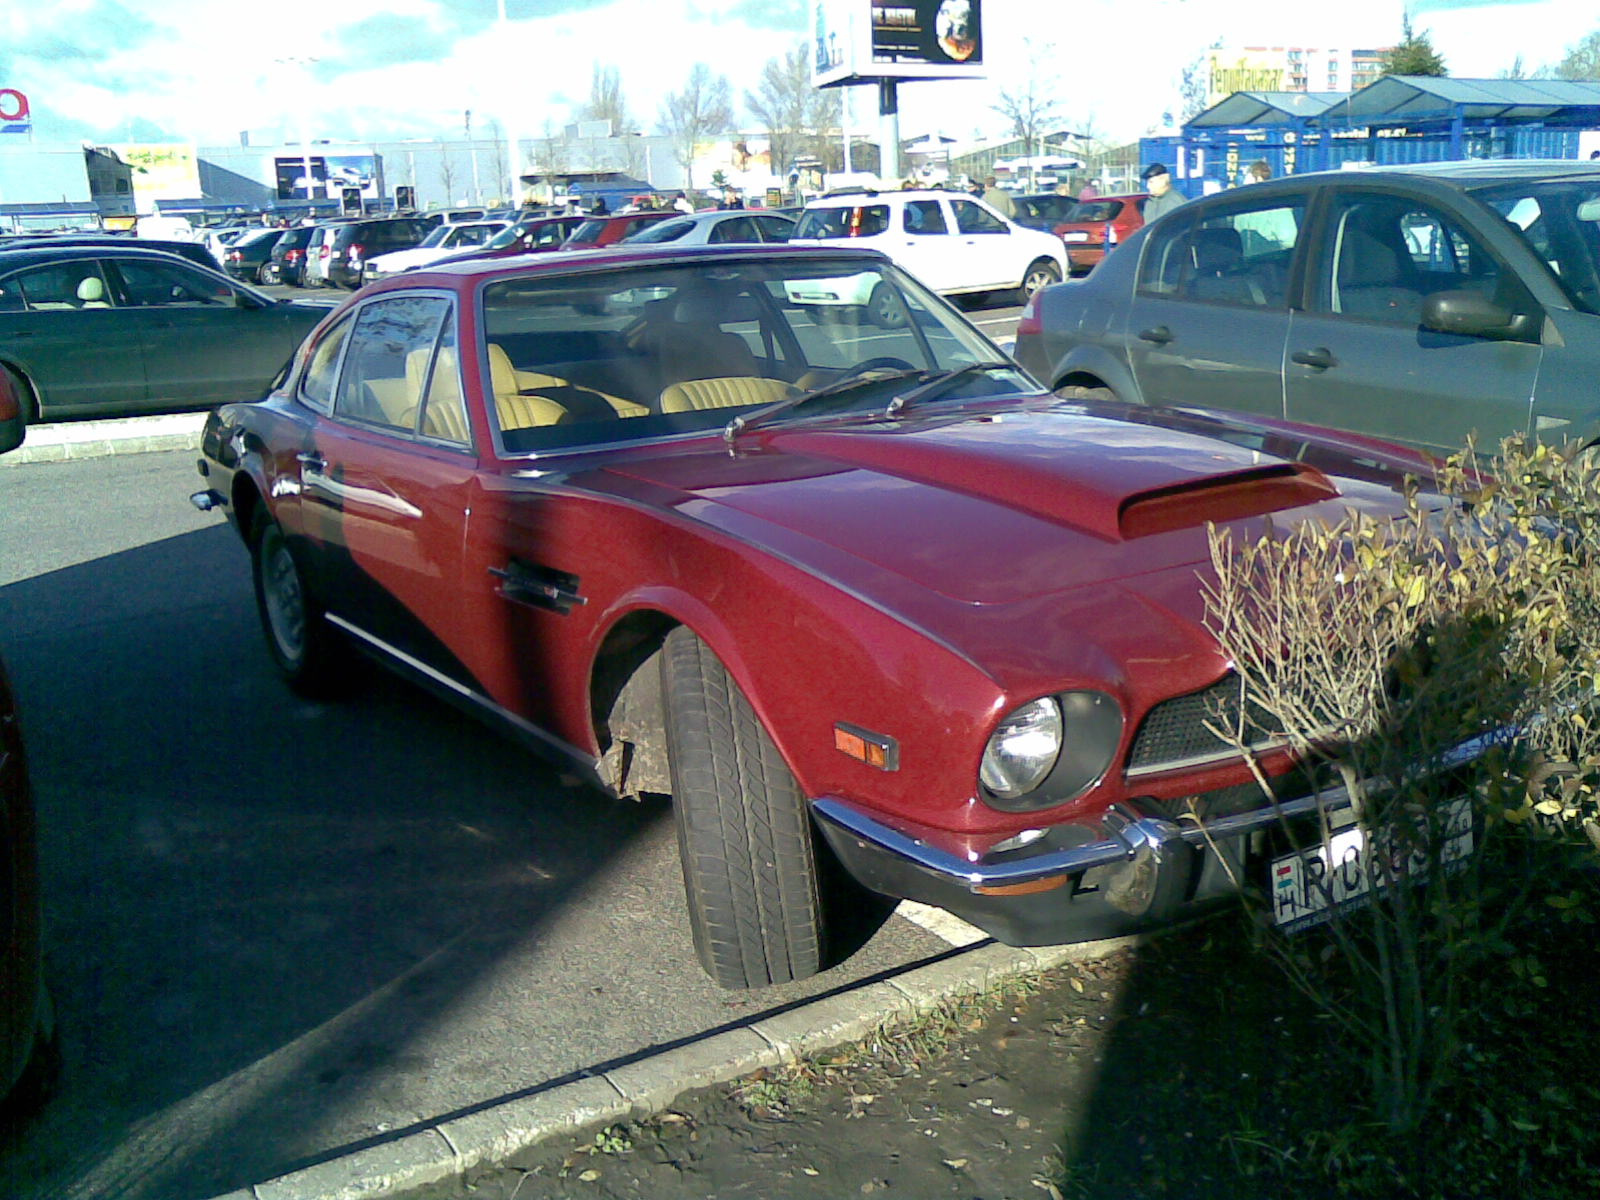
{"x":1174,"y":732}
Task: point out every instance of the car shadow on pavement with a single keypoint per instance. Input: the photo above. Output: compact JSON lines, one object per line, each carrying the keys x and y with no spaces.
{"x":278,"y":927}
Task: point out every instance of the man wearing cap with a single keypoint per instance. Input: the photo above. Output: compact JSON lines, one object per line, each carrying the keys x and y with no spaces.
{"x":1163,"y":196}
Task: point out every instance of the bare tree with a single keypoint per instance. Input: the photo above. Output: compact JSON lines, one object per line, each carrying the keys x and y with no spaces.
{"x":447,"y":177}
{"x":1032,"y":106}
{"x":498,"y":141}
{"x":797,"y":117}
{"x":704,"y":107}
{"x":1582,"y":59}
{"x":606,"y":102}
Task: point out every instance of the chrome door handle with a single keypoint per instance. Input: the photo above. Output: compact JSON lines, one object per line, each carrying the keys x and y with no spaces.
{"x":1160,"y":335}
{"x":1321,"y":358}
{"x":313,"y":460}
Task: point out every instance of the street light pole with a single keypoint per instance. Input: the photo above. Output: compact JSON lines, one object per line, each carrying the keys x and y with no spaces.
{"x":514,"y":188}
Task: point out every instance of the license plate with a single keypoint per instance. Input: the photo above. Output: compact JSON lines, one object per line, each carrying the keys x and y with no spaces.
{"x":1308,"y":886}
{"x":1075,"y":236}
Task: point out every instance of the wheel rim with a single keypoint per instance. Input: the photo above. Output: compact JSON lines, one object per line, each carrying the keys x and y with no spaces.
{"x":282,"y":597}
{"x":1039,"y":277}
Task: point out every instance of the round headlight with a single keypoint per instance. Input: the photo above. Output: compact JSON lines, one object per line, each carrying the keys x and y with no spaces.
{"x":1023,"y":750}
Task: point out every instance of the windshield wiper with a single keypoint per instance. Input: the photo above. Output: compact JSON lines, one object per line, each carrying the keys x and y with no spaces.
{"x":937,"y":383}
{"x":739,"y":424}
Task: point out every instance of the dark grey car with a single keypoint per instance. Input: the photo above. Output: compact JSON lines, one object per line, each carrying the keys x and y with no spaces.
{"x":1419,"y":303}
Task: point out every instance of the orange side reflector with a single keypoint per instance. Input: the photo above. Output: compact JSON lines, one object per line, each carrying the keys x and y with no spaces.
{"x":1048,"y":884}
{"x":874,"y":749}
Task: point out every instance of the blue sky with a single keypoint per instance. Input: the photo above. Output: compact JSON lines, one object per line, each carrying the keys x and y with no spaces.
{"x":196,"y":70}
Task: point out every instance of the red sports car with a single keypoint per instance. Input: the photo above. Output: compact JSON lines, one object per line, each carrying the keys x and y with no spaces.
{"x":849,"y":594}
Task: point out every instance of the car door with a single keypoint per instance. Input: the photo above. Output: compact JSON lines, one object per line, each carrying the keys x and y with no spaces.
{"x":205,"y":340}
{"x":79,"y":353}
{"x":387,"y":481}
{"x":985,"y":254}
{"x":1359,"y":357}
{"x":1210,"y":312}
{"x":924,"y":242}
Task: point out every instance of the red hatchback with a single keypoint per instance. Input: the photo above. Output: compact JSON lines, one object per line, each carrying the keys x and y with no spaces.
{"x":1098,"y":226}
{"x":852,"y":596}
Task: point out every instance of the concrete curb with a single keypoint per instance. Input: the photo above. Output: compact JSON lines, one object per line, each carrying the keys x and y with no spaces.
{"x":67,"y":441}
{"x":650,"y":1084}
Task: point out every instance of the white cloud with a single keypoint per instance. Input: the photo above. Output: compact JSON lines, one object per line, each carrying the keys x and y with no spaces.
{"x":215,"y":69}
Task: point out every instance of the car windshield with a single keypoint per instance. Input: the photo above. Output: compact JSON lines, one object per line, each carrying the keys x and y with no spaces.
{"x":655,"y":351}
{"x":661,"y":231}
{"x":435,"y":237}
{"x":506,"y":237}
{"x":588,"y":233}
{"x":1560,"y":221}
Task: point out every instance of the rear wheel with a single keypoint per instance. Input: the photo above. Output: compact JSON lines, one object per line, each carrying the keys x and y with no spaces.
{"x":744,"y":832}
{"x":305,"y":650}
{"x":1041,"y":273}
{"x":267,"y":274}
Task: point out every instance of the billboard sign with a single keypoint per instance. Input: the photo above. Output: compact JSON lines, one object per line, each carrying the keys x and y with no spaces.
{"x":15,"y":113}
{"x":331,"y":176}
{"x":161,"y":171}
{"x":857,"y":41}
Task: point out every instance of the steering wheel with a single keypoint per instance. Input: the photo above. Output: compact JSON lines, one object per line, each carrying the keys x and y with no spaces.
{"x":882,"y":362}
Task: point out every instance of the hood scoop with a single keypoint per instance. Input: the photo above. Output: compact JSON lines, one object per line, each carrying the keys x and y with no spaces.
{"x":1231,"y":497}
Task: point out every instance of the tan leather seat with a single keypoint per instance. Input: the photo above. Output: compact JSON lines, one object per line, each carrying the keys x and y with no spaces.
{"x":538,"y":381}
{"x":517,"y":411}
{"x":445,"y":416}
{"x":697,"y":395}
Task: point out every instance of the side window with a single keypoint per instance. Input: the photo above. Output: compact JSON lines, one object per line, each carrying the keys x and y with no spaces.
{"x":1237,"y":256}
{"x":316,"y":385}
{"x":386,"y":364}
{"x":871,"y":220}
{"x":774,"y":229}
{"x":58,"y":286}
{"x":444,"y":408}
{"x":923,"y":216}
{"x":973,"y":218}
{"x":167,"y":285}
{"x":1389,"y":253}
{"x":739,"y":229}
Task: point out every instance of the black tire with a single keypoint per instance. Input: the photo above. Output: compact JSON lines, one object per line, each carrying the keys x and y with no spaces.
{"x":1041,"y":273}
{"x":267,"y":274}
{"x":744,"y":832}
{"x":1079,"y":392}
{"x":304,"y":648}
{"x":24,"y":393}
{"x":886,"y":308}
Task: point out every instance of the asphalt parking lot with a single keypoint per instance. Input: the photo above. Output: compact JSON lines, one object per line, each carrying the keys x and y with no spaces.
{"x":291,"y":937}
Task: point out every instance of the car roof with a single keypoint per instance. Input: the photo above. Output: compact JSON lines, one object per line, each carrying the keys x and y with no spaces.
{"x":1470,"y":175}
{"x":870,"y":196}
{"x":11,"y":255}
{"x":625,"y":255}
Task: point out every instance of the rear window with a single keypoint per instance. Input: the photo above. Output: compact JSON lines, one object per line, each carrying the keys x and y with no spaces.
{"x":1095,"y":210}
{"x":865,"y":221}
{"x":588,"y":233}
{"x":661,"y":231}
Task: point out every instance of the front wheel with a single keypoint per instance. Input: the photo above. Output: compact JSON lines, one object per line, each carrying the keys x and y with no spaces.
{"x":744,"y":833}
{"x":885,"y":307}
{"x":1041,"y":273}
{"x":305,"y":650}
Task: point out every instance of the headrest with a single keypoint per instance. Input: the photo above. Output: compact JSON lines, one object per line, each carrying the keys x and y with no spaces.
{"x":90,"y":289}
{"x":1216,"y":250}
{"x":1364,"y":259}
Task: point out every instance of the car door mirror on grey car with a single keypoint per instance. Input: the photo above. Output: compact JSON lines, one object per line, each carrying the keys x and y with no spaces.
{"x":1470,"y":314}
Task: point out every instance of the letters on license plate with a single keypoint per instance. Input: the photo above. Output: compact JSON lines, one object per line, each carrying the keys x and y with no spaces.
{"x":1308,"y":886}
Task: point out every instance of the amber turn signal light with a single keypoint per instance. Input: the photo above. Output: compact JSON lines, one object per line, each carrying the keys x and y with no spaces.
{"x":874,"y":749}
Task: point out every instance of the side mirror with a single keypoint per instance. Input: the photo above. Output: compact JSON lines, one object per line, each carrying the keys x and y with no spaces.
{"x":1469,"y":314}
{"x":13,"y":421}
